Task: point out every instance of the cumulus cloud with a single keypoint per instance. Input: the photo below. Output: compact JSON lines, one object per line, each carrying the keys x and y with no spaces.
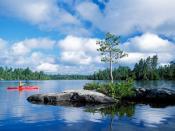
{"x":25,"y":46}
{"x":31,"y":60}
{"x":124,"y":17}
{"x":82,"y":51}
{"x":148,"y":44}
{"x":79,"y":54}
{"x":3,"y":51}
{"x":20,"y":49}
{"x":48,"y":67}
{"x":37,"y":12}
{"x":119,"y":17}
{"x":47,"y":14}
{"x":78,"y":50}
{"x":43,"y":43}
{"x":79,"y":69}
{"x":2,"y":44}
{"x":93,"y":14}
{"x":28,"y":53}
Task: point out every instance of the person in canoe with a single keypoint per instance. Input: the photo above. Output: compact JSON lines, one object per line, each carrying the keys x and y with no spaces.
{"x":20,"y":85}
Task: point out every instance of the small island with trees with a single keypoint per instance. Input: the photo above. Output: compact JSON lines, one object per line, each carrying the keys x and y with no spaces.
{"x":114,"y":91}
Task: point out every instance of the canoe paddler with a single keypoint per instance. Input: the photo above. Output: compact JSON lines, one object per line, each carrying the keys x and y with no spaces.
{"x":20,"y":85}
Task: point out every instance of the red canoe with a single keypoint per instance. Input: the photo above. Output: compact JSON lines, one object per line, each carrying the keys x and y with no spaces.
{"x":23,"y":88}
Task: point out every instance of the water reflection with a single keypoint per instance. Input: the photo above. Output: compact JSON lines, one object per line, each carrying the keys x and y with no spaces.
{"x":155,"y":84}
{"x":113,"y":110}
{"x":16,"y":112}
{"x":74,"y":115}
{"x":144,"y":115}
{"x":139,"y":114}
{"x":153,"y":116}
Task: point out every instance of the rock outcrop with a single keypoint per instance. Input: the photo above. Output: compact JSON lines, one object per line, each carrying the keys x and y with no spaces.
{"x":73,"y":97}
{"x":156,"y":97}
{"x":153,"y":95}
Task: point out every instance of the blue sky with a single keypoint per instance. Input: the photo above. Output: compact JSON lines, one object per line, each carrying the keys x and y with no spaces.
{"x":60,"y":37}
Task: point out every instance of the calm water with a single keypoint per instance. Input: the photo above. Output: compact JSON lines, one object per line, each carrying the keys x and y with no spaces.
{"x":16,"y":113}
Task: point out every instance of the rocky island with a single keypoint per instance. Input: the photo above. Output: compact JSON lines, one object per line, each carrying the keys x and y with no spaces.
{"x":82,"y":97}
{"x":69,"y":97}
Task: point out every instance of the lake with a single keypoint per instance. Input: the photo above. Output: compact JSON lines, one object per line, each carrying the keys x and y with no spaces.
{"x":16,"y":113}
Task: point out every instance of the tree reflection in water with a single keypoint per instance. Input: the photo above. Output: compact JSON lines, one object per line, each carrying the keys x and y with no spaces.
{"x":113,"y":110}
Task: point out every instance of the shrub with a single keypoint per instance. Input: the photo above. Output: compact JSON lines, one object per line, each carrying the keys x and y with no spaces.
{"x":124,"y":89}
{"x":91,"y":86}
{"x":116,"y":90}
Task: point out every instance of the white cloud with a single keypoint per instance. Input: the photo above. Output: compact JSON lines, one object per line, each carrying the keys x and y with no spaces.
{"x":43,"y":43}
{"x":2,"y":44}
{"x":134,"y":57}
{"x":3,"y":51}
{"x":47,"y":14}
{"x":94,"y":15}
{"x":149,"y":42}
{"x":123,"y":17}
{"x":48,"y":67}
{"x":24,"y":47}
{"x":37,"y":12}
{"x":79,"y":54}
{"x":39,"y":57}
{"x":78,"y":50}
{"x":119,"y":17}
{"x":28,"y":53}
{"x":146,"y":45}
{"x":76,"y":57}
{"x":20,"y":49}
{"x":31,"y":60}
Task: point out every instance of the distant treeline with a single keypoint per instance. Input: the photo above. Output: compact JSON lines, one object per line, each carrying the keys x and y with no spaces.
{"x":21,"y":74}
{"x":27,"y":74}
{"x":69,"y":77}
{"x":145,"y":69}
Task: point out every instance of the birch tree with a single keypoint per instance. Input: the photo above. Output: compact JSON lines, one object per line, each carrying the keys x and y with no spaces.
{"x":110,"y":51}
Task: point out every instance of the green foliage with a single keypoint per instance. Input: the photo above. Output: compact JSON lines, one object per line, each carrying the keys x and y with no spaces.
{"x":120,"y":73}
{"x":110,"y":51}
{"x":21,"y":74}
{"x":109,"y":48}
{"x":145,"y":69}
{"x":92,"y":86}
{"x":69,"y":77}
{"x":167,"y":71}
{"x":124,"y":89}
{"x":116,"y":90}
{"x":27,"y":74}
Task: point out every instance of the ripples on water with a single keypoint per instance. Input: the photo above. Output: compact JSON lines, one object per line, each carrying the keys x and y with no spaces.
{"x":18,"y":114}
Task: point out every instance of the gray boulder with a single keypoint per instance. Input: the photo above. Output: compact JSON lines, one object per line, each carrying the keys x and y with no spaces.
{"x":153,"y":95}
{"x":74,"y":97}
